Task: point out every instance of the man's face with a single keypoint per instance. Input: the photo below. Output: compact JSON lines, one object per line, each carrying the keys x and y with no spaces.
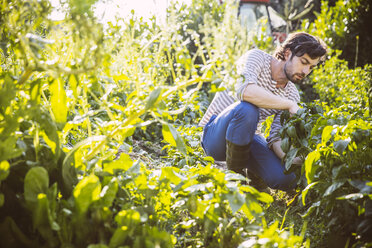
{"x":297,"y":68}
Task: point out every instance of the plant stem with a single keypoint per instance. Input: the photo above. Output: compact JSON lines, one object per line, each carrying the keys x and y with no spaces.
{"x":356,"y":51}
{"x":25,"y":75}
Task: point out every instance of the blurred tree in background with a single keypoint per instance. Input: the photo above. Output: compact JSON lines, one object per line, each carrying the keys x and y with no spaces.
{"x":344,"y":24}
{"x":356,"y":42}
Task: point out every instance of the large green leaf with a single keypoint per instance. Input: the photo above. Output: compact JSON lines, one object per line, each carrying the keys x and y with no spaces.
{"x":289,"y":158}
{"x":253,"y":205}
{"x":168,"y":173}
{"x":291,"y":131}
{"x":69,"y":174}
{"x":35,"y":91}
{"x":58,"y":101}
{"x":4,"y":170}
{"x":8,"y":148}
{"x":50,"y":143}
{"x":333,"y":187}
{"x":87,"y":191}
{"x":36,"y":194}
{"x":310,"y":167}
{"x":119,"y":236}
{"x":340,"y":145}
{"x":284,"y":144}
{"x":121,"y":164}
{"x":363,"y":186}
{"x":353,"y":196}
{"x":171,"y":135}
{"x":7,"y":91}
{"x":265,"y":197}
{"x":43,"y":221}
{"x":311,"y":209}
{"x":236,"y":201}
{"x":154,"y":95}
{"x":47,"y":124}
{"x":306,"y":191}
{"x":327,"y":134}
{"x":108,"y":193}
{"x":36,"y":182}
{"x":73,"y":83}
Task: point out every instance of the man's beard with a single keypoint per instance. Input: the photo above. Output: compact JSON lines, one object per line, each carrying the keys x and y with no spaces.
{"x":291,"y":77}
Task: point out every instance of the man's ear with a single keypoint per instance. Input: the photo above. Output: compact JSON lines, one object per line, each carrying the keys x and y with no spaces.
{"x":287,"y":54}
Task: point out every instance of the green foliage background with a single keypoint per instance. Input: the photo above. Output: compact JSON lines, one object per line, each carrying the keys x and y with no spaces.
{"x":100,"y":145}
{"x":333,"y":136}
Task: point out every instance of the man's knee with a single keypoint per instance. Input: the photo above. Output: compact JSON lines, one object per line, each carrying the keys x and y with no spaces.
{"x":247,"y":112}
{"x":243,"y":124}
{"x":247,"y":107}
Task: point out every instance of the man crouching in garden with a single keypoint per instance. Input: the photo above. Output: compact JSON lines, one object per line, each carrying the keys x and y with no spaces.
{"x":266,"y":88}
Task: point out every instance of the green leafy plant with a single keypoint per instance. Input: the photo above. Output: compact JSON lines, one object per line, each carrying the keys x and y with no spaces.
{"x":334,"y":142}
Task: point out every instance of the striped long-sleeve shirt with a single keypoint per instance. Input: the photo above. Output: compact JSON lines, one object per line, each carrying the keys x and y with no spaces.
{"x":255,"y":68}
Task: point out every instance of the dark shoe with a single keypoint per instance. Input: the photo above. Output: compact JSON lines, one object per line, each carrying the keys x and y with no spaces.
{"x":256,"y":182}
{"x":237,"y":157}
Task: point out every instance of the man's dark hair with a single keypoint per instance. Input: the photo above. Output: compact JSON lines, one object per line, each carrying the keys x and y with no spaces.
{"x":301,"y":43}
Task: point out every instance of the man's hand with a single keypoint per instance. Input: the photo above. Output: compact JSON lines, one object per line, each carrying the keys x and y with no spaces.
{"x":297,"y":161}
{"x":279,"y":152}
{"x":277,"y":149}
{"x":293,"y":108}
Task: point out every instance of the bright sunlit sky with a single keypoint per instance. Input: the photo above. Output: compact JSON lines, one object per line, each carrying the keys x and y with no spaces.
{"x":108,"y":9}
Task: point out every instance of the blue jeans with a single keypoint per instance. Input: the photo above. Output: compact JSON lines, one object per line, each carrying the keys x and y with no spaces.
{"x":238,"y":124}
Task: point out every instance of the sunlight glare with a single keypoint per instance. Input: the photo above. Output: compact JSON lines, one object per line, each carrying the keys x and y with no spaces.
{"x":108,"y":10}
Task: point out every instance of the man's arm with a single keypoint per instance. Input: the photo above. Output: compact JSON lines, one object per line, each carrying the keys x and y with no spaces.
{"x":277,"y":149}
{"x":279,"y":152}
{"x":265,"y":99}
